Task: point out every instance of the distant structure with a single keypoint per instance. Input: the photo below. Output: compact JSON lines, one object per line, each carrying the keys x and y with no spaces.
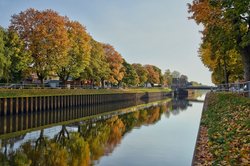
{"x":178,"y":87}
{"x":179,"y":83}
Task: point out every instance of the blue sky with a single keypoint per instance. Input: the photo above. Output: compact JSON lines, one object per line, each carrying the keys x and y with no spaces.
{"x":154,"y":32}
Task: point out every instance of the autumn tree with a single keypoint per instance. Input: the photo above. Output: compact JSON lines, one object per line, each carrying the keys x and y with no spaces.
{"x":228,"y":68}
{"x":78,"y":55}
{"x":167,"y":77}
{"x":141,"y":72}
{"x":153,"y":74}
{"x":158,"y":70}
{"x":98,"y":68}
{"x":45,"y":36}
{"x":226,"y":29}
{"x":115,"y":61}
{"x":130,"y":75}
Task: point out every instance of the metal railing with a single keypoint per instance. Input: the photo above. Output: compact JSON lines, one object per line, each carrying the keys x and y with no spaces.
{"x":240,"y":87}
{"x":44,"y":86}
{"x":64,"y":86}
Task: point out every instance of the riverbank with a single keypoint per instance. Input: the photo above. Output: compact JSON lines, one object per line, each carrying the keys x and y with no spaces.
{"x":224,"y":133}
{"x":4,"y":93}
{"x":76,"y":115}
{"x":60,"y":99}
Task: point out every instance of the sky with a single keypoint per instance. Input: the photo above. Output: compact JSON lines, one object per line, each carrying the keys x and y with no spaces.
{"x":156,"y":32}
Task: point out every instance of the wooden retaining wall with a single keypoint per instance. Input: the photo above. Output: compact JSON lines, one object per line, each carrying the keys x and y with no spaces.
{"x":15,"y":123}
{"x":20,"y":105}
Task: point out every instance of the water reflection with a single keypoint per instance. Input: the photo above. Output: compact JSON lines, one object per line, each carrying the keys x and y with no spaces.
{"x":80,"y":143}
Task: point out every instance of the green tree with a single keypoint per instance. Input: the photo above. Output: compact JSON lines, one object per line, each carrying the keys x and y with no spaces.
{"x":226,"y":68}
{"x":13,"y":55}
{"x":4,"y":60}
{"x":20,"y":57}
{"x":98,"y":68}
{"x":130,"y":76}
{"x":78,"y":56}
{"x":141,"y":72}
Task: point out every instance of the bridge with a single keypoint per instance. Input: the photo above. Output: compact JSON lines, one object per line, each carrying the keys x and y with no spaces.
{"x":195,"y":100}
{"x":200,"y":87}
{"x":182,"y":91}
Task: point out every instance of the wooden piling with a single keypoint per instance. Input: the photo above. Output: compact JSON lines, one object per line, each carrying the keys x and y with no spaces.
{"x":5,"y":106}
{"x":10,"y":103}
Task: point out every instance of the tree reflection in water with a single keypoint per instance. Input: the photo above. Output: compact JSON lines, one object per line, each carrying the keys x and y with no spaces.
{"x":93,"y":138}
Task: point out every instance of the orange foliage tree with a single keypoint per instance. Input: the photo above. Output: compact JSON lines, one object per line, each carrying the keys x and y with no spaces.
{"x":225,"y":34}
{"x":115,"y":61}
{"x":45,"y":36}
{"x":153,"y":75}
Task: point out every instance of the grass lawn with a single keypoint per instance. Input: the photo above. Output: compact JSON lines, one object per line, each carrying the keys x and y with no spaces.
{"x":225,"y":131}
{"x":56,"y":92}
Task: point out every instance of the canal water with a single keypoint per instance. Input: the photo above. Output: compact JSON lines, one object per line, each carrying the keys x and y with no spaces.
{"x":157,"y":133}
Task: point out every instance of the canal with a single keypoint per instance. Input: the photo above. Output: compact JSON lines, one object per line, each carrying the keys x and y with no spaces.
{"x":155,"y":133}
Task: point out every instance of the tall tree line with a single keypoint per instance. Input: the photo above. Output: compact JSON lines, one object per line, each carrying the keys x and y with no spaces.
{"x":47,"y":44}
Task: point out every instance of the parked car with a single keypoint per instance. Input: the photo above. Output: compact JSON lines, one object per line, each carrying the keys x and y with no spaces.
{"x":15,"y":86}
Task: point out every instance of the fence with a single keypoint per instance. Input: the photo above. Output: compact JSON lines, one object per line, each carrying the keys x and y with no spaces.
{"x":241,"y":88}
{"x":44,"y":86}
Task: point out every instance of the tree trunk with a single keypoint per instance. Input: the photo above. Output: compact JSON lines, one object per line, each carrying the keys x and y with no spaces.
{"x":226,"y":74}
{"x":41,"y":78}
{"x":102,"y":82}
{"x":63,"y":76}
{"x":245,"y":54}
{"x":42,"y":81}
{"x":119,"y":84}
{"x":63,"y":82}
{"x":92,"y":83}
